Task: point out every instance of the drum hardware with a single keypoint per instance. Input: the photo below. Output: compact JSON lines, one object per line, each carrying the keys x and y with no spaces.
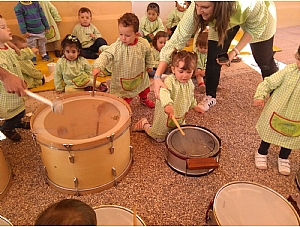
{"x":201,"y":163}
{"x":6,"y":175}
{"x":5,"y":222}
{"x":34,"y":139}
{"x":114,"y":173}
{"x":46,"y":175}
{"x":111,"y":140}
{"x":76,"y":186}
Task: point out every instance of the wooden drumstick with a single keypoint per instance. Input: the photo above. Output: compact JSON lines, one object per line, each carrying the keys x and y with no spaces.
{"x":94,"y":85}
{"x":134,"y":217}
{"x":178,"y":126}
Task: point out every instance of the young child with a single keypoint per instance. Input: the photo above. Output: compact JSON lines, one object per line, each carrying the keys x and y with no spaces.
{"x":131,"y":60}
{"x":151,"y":23}
{"x":175,"y":16}
{"x":33,"y":25}
{"x":67,"y":212}
{"x":31,"y":75}
{"x":279,"y":122}
{"x":54,"y":20}
{"x":200,"y":47}
{"x":73,"y":72}
{"x":158,"y":42}
{"x":89,"y":36}
{"x":12,"y":107}
{"x":175,"y":101}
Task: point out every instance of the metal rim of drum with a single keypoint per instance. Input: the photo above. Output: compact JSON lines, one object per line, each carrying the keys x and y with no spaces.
{"x":121,"y":208}
{"x":297,"y":179}
{"x":214,"y":209}
{"x":5,"y":220}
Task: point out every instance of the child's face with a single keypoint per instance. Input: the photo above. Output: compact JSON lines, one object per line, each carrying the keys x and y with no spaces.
{"x":85,"y":19}
{"x":5,"y":34}
{"x":181,"y":6}
{"x":127,"y":34}
{"x":298,"y":62}
{"x":71,"y":52}
{"x":202,"y":50}
{"x":161,"y":42}
{"x":152,"y":15}
{"x":183,"y":76}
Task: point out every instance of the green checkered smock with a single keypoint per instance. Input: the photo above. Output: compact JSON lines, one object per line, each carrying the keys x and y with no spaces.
{"x":174,"y":17}
{"x":155,"y":54}
{"x":10,"y":104}
{"x":83,"y":34}
{"x":285,"y":101}
{"x":181,"y":97}
{"x":149,"y":27}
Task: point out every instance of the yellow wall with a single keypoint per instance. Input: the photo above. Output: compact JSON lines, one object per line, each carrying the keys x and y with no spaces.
{"x":288,"y":13}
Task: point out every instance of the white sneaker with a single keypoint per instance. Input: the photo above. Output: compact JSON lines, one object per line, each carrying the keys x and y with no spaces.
{"x":284,"y":166}
{"x":261,"y":161}
{"x":207,"y":102}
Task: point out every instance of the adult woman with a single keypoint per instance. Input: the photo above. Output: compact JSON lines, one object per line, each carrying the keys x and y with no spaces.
{"x":256,"y":18}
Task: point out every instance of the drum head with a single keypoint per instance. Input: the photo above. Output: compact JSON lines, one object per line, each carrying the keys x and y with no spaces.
{"x":198,"y":142}
{"x":246,"y":203}
{"x":115,"y":215}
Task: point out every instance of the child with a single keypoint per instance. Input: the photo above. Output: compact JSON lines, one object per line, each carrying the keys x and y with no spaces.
{"x":279,"y":122}
{"x":73,"y":72}
{"x":174,"y":101}
{"x":54,"y":20}
{"x":32,"y":76}
{"x":89,"y":36}
{"x":12,"y":107}
{"x":33,"y":25}
{"x":200,"y":48}
{"x":151,"y":23}
{"x":158,"y":42}
{"x":130,"y":55}
{"x":175,"y":16}
{"x":67,"y":212}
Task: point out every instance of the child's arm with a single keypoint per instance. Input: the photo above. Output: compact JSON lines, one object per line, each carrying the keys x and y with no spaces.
{"x":43,"y":17}
{"x":104,"y":59}
{"x":170,"y":19}
{"x":96,"y":34}
{"x":259,"y":102}
{"x":58,"y":77}
{"x":143,"y":27}
{"x":20,"y":18}
{"x":161,"y":26}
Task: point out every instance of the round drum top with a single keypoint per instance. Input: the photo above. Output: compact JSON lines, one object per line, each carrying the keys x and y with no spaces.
{"x":246,"y":203}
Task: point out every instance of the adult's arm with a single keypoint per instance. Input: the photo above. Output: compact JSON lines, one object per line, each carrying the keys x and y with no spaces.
{"x":12,"y":83}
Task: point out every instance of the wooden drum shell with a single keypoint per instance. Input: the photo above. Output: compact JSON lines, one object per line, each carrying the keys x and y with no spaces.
{"x":5,"y":175}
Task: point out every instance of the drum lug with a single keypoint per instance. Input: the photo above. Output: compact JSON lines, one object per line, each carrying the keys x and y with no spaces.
{"x":71,"y":158}
{"x":46,"y":174}
{"x":76,"y":186}
{"x":68,"y":146}
{"x":114,"y":173}
{"x":34,"y":139}
{"x":131,"y":151}
{"x":111,"y":139}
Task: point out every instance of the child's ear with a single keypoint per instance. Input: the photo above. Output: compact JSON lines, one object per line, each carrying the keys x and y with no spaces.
{"x":173,"y":69}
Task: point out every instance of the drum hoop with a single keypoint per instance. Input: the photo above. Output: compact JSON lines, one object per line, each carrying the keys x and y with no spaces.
{"x":122,"y":208}
{"x":256,"y":184}
{"x":6,"y":220}
{"x":215,"y":154}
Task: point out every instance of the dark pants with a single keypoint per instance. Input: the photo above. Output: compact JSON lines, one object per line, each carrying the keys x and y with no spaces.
{"x":90,"y":52}
{"x":13,"y":122}
{"x":264,"y":146}
{"x":262,"y":53}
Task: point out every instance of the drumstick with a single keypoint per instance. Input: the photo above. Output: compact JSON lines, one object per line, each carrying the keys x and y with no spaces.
{"x":134,"y":216}
{"x":94,"y":85}
{"x":178,"y":126}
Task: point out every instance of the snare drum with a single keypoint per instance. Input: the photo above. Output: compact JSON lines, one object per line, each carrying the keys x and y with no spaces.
{"x":5,"y":222}
{"x":199,"y":146}
{"x":5,"y":175}
{"x":86,"y":148}
{"x":116,"y":215}
{"x":247,"y":203}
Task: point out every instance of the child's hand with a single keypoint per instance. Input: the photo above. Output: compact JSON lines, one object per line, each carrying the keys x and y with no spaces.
{"x":26,"y":35}
{"x":259,"y":102}
{"x":198,"y":109}
{"x":35,"y":50}
{"x":169,"y":31}
{"x":95,"y":72}
{"x":200,"y":72}
{"x":93,"y":35}
{"x":151,"y":36}
{"x":47,"y":31}
{"x":58,"y":92}
{"x":149,"y":70}
{"x":169,"y":110}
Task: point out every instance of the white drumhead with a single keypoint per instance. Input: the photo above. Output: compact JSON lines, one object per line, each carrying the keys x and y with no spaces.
{"x":115,"y":215}
{"x":5,"y":222}
{"x":246,"y":203}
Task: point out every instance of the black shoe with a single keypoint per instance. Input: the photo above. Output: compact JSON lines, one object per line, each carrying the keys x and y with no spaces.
{"x":57,"y":53}
{"x":24,"y":125}
{"x":12,"y":134}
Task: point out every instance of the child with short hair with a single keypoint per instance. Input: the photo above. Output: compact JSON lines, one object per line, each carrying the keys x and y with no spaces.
{"x":88,"y":34}
{"x":54,"y":20}
{"x":279,"y":122}
{"x":67,"y":212}
{"x":32,"y":75}
{"x":176,"y":100}
{"x":33,"y":25}
{"x":131,"y":60}
{"x":73,"y":72}
{"x":151,"y":23}
{"x":12,"y":107}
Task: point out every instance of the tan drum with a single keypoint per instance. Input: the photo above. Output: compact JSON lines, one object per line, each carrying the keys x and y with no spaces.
{"x":86,"y":148}
{"x":5,"y":175}
{"x":5,"y":222}
{"x":116,"y":215}
{"x":248,"y":204}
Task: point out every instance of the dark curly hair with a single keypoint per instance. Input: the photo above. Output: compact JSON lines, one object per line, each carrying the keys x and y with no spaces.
{"x":70,"y":40}
{"x":129,"y":19}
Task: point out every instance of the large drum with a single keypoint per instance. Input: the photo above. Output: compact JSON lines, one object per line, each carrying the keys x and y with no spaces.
{"x":5,"y":175}
{"x":196,"y":153}
{"x":86,"y":148}
{"x":249,"y":204}
{"x":109,"y":215}
{"x":5,"y":222}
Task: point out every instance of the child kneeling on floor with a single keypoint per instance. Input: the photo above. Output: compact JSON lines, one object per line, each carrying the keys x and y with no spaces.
{"x":175,"y":101}
{"x":279,"y":122}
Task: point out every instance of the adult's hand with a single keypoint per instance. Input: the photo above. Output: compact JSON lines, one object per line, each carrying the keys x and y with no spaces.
{"x":162,"y":66}
{"x":12,"y":84}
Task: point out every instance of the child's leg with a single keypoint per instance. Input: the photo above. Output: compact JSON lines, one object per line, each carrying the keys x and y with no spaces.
{"x":128,"y":100}
{"x":144,"y":98}
{"x":89,"y":54}
{"x":283,"y":162}
{"x":98,"y":43}
{"x":263,"y":148}
{"x":284,"y":153}
{"x":56,"y":48}
{"x":41,"y":41}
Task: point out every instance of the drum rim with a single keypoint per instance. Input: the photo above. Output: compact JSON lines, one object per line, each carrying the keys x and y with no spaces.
{"x":256,"y":184}
{"x":6,"y":220}
{"x":122,"y":208}
{"x":195,"y":126}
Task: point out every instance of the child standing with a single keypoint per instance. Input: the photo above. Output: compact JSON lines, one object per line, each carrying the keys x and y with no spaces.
{"x":130,"y":55}
{"x":175,"y":101}
{"x":279,"y":122}
{"x":54,"y":20}
{"x":31,"y":75}
{"x":12,"y":107}
{"x":151,"y":23}
{"x":33,"y":25}
{"x":89,"y":36}
{"x":72,"y":72}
